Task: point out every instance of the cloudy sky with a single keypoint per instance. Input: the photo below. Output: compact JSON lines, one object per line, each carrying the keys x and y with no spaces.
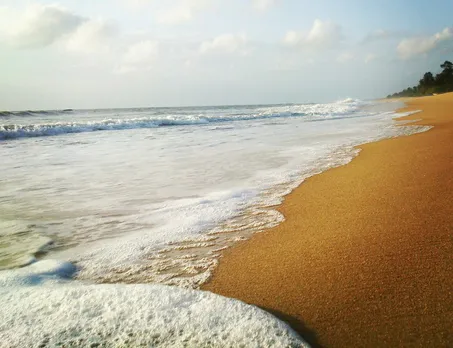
{"x":125,"y":53}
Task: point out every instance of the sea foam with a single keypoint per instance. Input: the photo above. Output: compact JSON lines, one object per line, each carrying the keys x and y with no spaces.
{"x":147,"y":119}
{"x":158,"y":205}
{"x":42,"y":308}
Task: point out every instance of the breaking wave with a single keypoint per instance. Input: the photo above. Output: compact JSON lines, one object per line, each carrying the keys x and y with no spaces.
{"x":42,"y":307}
{"x":174,"y":117}
{"x":14,"y":131}
{"x":33,"y":113}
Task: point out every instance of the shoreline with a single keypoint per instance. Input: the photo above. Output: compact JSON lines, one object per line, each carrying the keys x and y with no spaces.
{"x":353,"y":264}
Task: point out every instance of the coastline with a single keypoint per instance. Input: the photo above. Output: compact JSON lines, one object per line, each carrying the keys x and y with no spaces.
{"x":365,"y":254}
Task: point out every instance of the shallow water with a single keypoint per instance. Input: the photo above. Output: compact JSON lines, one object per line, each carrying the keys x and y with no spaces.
{"x":153,"y":195}
{"x":41,"y":307}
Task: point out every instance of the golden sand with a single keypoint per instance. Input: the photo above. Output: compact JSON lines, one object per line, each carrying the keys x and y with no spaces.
{"x":365,"y":256}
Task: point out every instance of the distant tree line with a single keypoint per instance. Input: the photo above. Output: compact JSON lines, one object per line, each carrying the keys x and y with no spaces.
{"x":430,"y":84}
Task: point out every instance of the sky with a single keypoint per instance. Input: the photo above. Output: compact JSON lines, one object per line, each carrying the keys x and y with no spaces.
{"x":140,"y":53}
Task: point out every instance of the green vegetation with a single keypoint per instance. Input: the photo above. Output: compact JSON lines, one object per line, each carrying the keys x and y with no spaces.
{"x":429,"y":84}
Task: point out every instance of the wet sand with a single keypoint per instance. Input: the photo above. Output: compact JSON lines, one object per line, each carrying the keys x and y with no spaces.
{"x":365,"y":256}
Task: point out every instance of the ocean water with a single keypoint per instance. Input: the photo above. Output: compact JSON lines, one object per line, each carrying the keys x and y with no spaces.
{"x":153,"y":195}
{"x":42,"y":308}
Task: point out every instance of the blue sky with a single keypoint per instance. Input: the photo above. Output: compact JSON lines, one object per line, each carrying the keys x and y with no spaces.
{"x":124,"y":53}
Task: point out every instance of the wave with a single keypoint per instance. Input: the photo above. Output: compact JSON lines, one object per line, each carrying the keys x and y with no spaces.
{"x":14,"y":131}
{"x":43,"y":307}
{"x":27,"y":113}
{"x":313,"y":112}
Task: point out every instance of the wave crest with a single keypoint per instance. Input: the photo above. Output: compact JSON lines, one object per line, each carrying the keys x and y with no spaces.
{"x":178,"y":117}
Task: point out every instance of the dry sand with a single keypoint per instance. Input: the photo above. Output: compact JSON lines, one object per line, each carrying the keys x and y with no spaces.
{"x":365,"y":256}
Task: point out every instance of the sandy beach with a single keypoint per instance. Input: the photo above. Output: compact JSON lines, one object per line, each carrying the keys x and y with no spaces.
{"x":365,"y":256}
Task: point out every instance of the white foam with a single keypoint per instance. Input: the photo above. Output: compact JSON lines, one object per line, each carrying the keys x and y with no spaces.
{"x":31,"y":130}
{"x":66,"y":313}
{"x":132,"y":206}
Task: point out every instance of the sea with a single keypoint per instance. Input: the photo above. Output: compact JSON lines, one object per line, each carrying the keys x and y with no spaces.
{"x":111,"y":219}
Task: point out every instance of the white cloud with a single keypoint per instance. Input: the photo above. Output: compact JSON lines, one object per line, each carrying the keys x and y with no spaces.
{"x":345,"y":57}
{"x":183,"y":11}
{"x":380,"y":35}
{"x":323,"y":34}
{"x":370,"y":57}
{"x":141,"y":52}
{"x":176,"y":15}
{"x":93,"y":35}
{"x":139,"y":56}
{"x":137,"y":4}
{"x":41,"y":25}
{"x":412,"y":47}
{"x":227,"y":43}
{"x":5,"y":18}
{"x":263,"y":5}
{"x":293,"y":38}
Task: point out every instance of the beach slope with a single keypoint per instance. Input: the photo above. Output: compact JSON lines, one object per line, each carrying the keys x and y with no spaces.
{"x":365,"y":256}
